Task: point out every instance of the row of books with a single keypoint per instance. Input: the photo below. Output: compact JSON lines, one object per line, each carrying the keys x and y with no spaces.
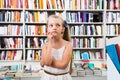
{"x":60,"y":4}
{"x":11,"y":55}
{"x":35,"y":29}
{"x":11,"y":3}
{"x":113,"y":4}
{"x":44,"y":4}
{"x":87,"y":55}
{"x":35,"y":42}
{"x":11,"y":16}
{"x":11,"y":43}
{"x":112,"y":16}
{"x":20,"y":70}
{"x":89,"y":69}
{"x":91,"y":42}
{"x":36,"y":16}
{"x":86,"y":30}
{"x":53,"y":4}
{"x":16,"y":16}
{"x":87,"y":42}
{"x":84,"y":17}
{"x":74,"y":30}
{"x":83,"y":4}
{"x":113,"y":29}
{"x":33,"y":55}
{"x":7,"y":79}
{"x":11,"y":30}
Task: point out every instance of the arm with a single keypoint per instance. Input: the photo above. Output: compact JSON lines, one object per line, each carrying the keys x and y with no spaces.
{"x":42,"y":52}
{"x":46,"y":57}
{"x":67,"y":56}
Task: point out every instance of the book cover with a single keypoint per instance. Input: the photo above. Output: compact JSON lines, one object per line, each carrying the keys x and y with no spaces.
{"x":85,"y":57}
{"x":118,"y":50}
{"x":111,"y":50}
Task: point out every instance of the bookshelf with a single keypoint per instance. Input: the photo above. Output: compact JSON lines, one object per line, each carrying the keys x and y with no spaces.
{"x":23,"y":29}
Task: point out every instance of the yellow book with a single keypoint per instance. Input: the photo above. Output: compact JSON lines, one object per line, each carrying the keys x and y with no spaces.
{"x":116,"y":27}
{"x":73,"y":4}
{"x":41,"y":30}
{"x":0,"y":3}
{"x":42,"y":3}
{"x":39,"y":3}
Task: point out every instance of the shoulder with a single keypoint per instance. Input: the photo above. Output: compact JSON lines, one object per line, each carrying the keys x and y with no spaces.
{"x":68,"y":44}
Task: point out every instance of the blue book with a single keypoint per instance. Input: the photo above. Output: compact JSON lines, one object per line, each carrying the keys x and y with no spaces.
{"x":7,"y":79}
{"x":111,"y":50}
{"x":85,"y":56}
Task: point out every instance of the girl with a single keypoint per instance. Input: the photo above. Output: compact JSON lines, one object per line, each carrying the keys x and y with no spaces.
{"x":57,"y":53}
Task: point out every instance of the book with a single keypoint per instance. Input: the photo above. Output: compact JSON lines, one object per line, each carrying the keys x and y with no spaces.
{"x":118,"y":50}
{"x":111,"y":50}
{"x":85,"y":57}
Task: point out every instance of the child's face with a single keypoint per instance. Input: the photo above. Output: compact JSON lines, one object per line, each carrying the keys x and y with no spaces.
{"x":55,"y":26}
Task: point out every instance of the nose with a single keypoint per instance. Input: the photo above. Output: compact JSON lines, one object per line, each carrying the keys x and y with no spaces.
{"x":54,"y":26}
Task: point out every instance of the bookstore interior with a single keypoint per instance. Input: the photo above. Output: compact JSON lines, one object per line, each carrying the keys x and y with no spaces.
{"x":94,"y":28}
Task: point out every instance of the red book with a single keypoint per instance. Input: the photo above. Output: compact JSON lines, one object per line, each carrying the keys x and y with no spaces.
{"x":118,"y":50}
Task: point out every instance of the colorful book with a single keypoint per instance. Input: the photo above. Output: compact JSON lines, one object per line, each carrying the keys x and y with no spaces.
{"x":111,"y":50}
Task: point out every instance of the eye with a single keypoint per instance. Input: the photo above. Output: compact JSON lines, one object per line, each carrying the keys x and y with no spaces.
{"x":58,"y":25}
{"x":50,"y":25}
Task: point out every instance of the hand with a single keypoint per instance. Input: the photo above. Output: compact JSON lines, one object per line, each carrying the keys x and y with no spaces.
{"x":50,"y":36}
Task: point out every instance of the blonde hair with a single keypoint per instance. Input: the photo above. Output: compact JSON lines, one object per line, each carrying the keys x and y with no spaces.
{"x":66,"y":34}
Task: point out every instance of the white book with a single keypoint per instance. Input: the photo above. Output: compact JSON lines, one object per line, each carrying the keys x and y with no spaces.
{"x":29,"y":54}
{"x":112,"y":30}
{"x":108,"y":29}
{"x":114,"y":17}
{"x":101,"y":4}
{"x":109,"y":17}
{"x":117,"y":4}
{"x":44,"y":29}
{"x":44,"y":4}
{"x":76,"y":30}
{"x":91,"y":43}
{"x":50,"y":3}
{"x":88,"y":29}
{"x":11,"y":42}
{"x":81,"y":42}
{"x":77,"y":54}
{"x":18,"y":55}
{"x":32,"y":30}
{"x":83,"y":4}
{"x":82,"y":29}
{"x":99,"y":29}
{"x":70,"y":4}
{"x":91,"y":55}
{"x":2,"y":30}
{"x":101,"y":41}
{"x":78,"y":4}
{"x":118,"y":16}
{"x":77,"y":42}
{"x":28,"y":42}
{"x":97,"y":54}
{"x":87,"y":4}
{"x":36,"y":42}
